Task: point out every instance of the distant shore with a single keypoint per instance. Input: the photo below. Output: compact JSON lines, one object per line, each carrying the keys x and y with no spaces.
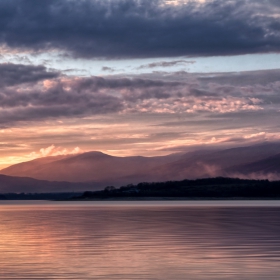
{"x":201,"y":189}
{"x":170,"y":199}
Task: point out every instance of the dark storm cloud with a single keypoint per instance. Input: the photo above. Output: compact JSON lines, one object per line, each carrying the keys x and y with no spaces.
{"x":140,"y":28}
{"x":15,"y":74}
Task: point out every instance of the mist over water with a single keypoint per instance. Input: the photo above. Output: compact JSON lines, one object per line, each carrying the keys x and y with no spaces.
{"x":147,"y":240}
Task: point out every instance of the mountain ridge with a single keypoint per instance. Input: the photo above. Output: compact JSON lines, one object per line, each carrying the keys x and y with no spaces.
{"x":101,"y":169}
{"x":10,"y":184}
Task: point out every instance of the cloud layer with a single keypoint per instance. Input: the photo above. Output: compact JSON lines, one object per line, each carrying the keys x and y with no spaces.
{"x":146,"y":114}
{"x":31,"y":93}
{"x":17,"y":74}
{"x":140,"y":28}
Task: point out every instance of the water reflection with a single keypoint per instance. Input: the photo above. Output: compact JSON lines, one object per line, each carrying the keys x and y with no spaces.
{"x":148,"y":242}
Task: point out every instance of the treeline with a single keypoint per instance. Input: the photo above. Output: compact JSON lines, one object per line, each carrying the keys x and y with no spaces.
{"x":38,"y":196}
{"x":201,"y":188}
{"x":220,"y":188}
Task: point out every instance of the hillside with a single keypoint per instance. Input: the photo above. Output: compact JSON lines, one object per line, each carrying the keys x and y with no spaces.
{"x":9,"y":184}
{"x":261,"y":161}
{"x":269,"y":166}
{"x":87,"y":167}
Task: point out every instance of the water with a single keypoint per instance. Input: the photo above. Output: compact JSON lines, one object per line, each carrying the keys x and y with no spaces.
{"x":140,"y":240}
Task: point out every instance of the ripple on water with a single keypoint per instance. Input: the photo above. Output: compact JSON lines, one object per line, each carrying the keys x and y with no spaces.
{"x":146,"y":241}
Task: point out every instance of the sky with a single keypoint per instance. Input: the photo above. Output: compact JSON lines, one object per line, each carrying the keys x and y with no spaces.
{"x":136,"y":77}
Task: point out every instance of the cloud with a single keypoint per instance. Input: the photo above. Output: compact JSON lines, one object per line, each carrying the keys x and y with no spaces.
{"x":5,"y":145}
{"x":16,"y":74}
{"x":165,"y":64}
{"x":261,"y":78}
{"x":255,"y":176}
{"x":69,"y":97}
{"x":108,"y":69}
{"x":43,"y":152}
{"x":56,"y":151}
{"x":183,"y":105}
{"x":39,"y":95}
{"x":140,"y":28}
{"x":255,"y":135}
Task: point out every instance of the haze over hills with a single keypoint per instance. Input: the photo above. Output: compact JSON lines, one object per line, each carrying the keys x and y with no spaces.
{"x":268,"y":167}
{"x":244,"y":162}
{"x":87,"y":167}
{"x":99,"y":169}
{"x":9,"y":184}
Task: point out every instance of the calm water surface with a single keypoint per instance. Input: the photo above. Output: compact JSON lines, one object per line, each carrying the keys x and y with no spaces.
{"x":140,"y":240}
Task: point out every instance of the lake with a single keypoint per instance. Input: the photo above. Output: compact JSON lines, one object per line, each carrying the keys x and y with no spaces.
{"x":140,"y":240}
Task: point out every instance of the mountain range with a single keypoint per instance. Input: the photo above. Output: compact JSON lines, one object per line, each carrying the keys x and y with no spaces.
{"x":95,"y":170}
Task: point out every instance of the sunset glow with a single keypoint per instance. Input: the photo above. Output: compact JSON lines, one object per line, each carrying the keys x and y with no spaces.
{"x":147,"y":96}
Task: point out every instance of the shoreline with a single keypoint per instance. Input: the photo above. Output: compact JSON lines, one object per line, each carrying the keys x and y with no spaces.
{"x":172,"y":199}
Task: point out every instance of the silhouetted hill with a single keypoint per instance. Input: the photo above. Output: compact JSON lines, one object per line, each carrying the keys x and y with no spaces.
{"x":88,"y":167}
{"x":267,"y":167}
{"x":10,"y":184}
{"x":207,"y":163}
{"x":102,"y":169}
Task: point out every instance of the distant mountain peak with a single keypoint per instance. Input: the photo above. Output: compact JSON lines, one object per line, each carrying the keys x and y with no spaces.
{"x":98,"y":167}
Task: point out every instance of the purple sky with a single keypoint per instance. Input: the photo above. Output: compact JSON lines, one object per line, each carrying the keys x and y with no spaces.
{"x":131,"y":77}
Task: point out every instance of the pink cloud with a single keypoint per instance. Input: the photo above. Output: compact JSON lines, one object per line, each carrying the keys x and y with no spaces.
{"x":190,"y":104}
{"x":57,"y":151}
